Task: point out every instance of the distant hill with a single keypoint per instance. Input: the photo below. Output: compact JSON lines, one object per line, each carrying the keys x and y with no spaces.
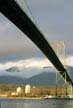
{"x":44,"y":79}
{"x":11,"y":80}
{"x":13,"y":69}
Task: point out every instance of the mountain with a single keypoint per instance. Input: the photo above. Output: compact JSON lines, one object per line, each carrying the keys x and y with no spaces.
{"x":44,"y":78}
{"x":40,"y":79}
{"x":11,"y":80}
{"x":13,"y":69}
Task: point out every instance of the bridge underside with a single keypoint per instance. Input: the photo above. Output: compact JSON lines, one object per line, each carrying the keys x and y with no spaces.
{"x":15,"y":14}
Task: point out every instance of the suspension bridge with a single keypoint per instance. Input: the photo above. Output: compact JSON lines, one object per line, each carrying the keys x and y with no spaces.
{"x":14,"y":12}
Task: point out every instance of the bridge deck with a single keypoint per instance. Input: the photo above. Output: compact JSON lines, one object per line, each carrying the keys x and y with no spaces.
{"x":14,"y":13}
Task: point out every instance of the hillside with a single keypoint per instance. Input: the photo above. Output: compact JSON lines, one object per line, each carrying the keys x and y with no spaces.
{"x":40,"y":79}
{"x":11,"y":80}
{"x":44,"y":78}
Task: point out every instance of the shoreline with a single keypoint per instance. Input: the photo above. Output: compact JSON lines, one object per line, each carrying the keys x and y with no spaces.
{"x":35,"y":98}
{"x":30,"y":98}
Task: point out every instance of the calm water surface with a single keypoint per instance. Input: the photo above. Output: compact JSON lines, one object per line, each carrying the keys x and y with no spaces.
{"x":44,"y":103}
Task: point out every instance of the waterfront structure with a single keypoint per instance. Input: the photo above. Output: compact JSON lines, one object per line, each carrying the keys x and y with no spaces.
{"x":19,"y":90}
{"x":27,"y":89}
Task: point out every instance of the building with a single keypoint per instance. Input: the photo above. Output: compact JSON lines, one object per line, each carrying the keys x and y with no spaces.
{"x":27,"y":89}
{"x":19,"y":90}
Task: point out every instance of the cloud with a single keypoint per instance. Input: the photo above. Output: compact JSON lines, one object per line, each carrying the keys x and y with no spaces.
{"x":32,"y":66}
{"x":28,"y":67}
{"x":69,"y":61}
{"x":28,"y":64}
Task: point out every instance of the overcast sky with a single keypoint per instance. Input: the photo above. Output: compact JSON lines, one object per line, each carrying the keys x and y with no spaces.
{"x":55,"y":18}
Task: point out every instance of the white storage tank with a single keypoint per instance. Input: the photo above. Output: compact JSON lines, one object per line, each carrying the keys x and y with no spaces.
{"x":19,"y":90}
{"x":27,"y":89}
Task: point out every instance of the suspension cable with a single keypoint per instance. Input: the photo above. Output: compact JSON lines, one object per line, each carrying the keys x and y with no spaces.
{"x":35,"y":21}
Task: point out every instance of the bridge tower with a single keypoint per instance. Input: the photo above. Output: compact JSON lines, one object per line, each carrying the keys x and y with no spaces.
{"x":60,"y":51}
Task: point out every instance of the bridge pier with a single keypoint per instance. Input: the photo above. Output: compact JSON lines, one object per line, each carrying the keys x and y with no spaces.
{"x":60,"y":81}
{"x":70,"y":90}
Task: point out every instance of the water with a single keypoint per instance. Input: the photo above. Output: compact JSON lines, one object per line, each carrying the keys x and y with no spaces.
{"x":43,"y":103}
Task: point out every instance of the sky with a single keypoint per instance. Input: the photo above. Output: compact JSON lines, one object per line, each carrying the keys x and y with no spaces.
{"x":55,"y":19}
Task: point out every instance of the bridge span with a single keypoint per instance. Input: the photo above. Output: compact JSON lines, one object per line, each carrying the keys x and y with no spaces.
{"x":15,"y":14}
